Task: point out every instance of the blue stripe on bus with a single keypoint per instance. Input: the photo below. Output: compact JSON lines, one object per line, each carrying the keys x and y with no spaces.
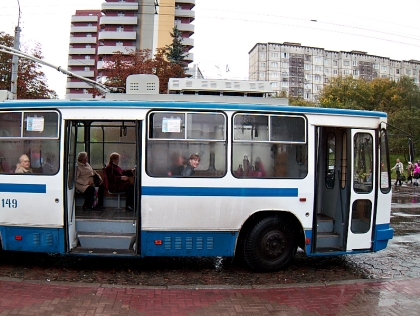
{"x":23,"y":188}
{"x":191,"y":105}
{"x":207,"y":191}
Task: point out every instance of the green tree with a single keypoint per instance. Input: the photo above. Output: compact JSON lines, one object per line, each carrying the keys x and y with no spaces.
{"x":175,"y":51}
{"x":400,"y":100}
{"x":31,"y":83}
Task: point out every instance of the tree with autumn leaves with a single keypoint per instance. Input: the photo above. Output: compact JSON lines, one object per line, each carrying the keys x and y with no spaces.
{"x":31,"y":83}
{"x":141,"y":62}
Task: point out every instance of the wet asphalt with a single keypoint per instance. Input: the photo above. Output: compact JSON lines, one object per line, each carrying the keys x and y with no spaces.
{"x":399,"y":259}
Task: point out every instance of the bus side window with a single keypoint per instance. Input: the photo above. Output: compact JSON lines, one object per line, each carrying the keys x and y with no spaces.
{"x":34,"y":134}
{"x":173,"y":137}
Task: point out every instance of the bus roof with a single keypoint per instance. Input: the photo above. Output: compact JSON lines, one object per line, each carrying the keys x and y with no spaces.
{"x":190,"y":102}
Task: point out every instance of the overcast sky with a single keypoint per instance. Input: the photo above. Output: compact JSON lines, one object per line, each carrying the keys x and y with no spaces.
{"x":225,"y":31}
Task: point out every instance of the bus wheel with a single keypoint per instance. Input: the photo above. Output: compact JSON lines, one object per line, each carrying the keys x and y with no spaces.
{"x":270,"y":245}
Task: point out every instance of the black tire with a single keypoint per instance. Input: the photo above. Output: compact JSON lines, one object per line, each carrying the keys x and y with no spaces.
{"x":270,"y":245}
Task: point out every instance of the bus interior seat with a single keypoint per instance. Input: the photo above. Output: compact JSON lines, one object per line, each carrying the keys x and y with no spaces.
{"x":105,"y":180}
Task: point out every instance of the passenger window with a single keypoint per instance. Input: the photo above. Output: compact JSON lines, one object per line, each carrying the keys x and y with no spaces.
{"x":269,"y":146}
{"x":174,"y":136}
{"x":29,"y":142}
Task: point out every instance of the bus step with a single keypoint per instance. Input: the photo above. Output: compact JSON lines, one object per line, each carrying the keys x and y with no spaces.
{"x":324,"y":223}
{"x":102,"y":252}
{"x":327,"y":240}
{"x":105,"y":240}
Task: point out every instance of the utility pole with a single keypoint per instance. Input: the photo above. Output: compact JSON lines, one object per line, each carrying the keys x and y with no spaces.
{"x":15,"y":60}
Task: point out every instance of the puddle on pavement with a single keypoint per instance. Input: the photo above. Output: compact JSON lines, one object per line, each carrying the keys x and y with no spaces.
{"x":405,"y":199}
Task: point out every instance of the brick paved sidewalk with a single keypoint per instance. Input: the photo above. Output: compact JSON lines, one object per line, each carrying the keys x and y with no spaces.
{"x":362,"y":297}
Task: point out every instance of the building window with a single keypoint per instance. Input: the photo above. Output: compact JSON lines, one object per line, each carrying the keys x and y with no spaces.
{"x":326,"y":80}
{"x":285,"y":55}
{"x":354,"y":62}
{"x":262,"y":75}
{"x":346,"y":63}
{"x":87,"y":68}
{"x":384,"y":68}
{"x":274,"y":64}
{"x":121,"y":14}
{"x":326,"y":62}
{"x":87,"y":57}
{"x":307,"y":66}
{"x":346,"y":72}
{"x":318,"y":68}
{"x":274,"y":74}
{"x":120,"y":29}
{"x":317,"y":59}
{"x":275,"y":55}
{"x":262,"y":65}
{"x":326,"y":70}
{"x":317,"y":78}
{"x":274,"y":84}
{"x":88,"y":35}
{"x":88,"y":46}
{"x":335,"y":62}
{"x":355,"y":72}
{"x":284,"y":84}
{"x":262,"y":55}
{"x":284,"y":74}
{"x":335,"y":71}
{"x":285,"y":64}
{"x":318,"y":88}
{"x":375,"y":66}
{"x":119,"y":43}
{"x":408,"y":72}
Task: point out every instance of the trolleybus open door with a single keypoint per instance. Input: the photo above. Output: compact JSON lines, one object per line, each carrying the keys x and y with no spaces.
{"x":70,"y":182}
{"x":364,"y":187}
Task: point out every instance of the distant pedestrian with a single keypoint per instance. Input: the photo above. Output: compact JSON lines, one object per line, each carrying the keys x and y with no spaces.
{"x":416,"y":173}
{"x":399,"y":168}
{"x":410,"y":171}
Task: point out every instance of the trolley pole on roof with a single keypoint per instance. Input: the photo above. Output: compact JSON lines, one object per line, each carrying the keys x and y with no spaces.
{"x":15,"y":60}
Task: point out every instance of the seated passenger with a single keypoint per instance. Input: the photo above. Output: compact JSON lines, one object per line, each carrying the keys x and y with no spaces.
{"x":193,"y":163}
{"x":24,"y":165}
{"x":49,"y":167}
{"x":118,"y":180}
{"x":85,"y":182}
{"x":177,"y":166}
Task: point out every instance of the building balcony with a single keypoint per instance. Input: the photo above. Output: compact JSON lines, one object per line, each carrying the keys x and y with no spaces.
{"x":78,"y":85}
{"x":87,"y":74}
{"x":110,"y":50}
{"x":120,"y":20}
{"x":117,"y":35}
{"x":184,"y":27}
{"x":186,"y":1}
{"x":84,"y":18}
{"x":188,"y":42}
{"x":188,"y":57}
{"x":83,"y":29}
{"x":81,"y":51}
{"x":180,"y":13}
{"x":81,"y":62}
{"x":83,"y":40}
{"x":120,"y":6}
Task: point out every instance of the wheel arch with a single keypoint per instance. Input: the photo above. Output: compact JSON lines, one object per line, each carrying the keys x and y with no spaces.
{"x":282,"y":214}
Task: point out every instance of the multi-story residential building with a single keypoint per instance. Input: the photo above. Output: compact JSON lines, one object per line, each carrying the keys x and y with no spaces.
{"x":123,"y":26}
{"x":301,"y":71}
